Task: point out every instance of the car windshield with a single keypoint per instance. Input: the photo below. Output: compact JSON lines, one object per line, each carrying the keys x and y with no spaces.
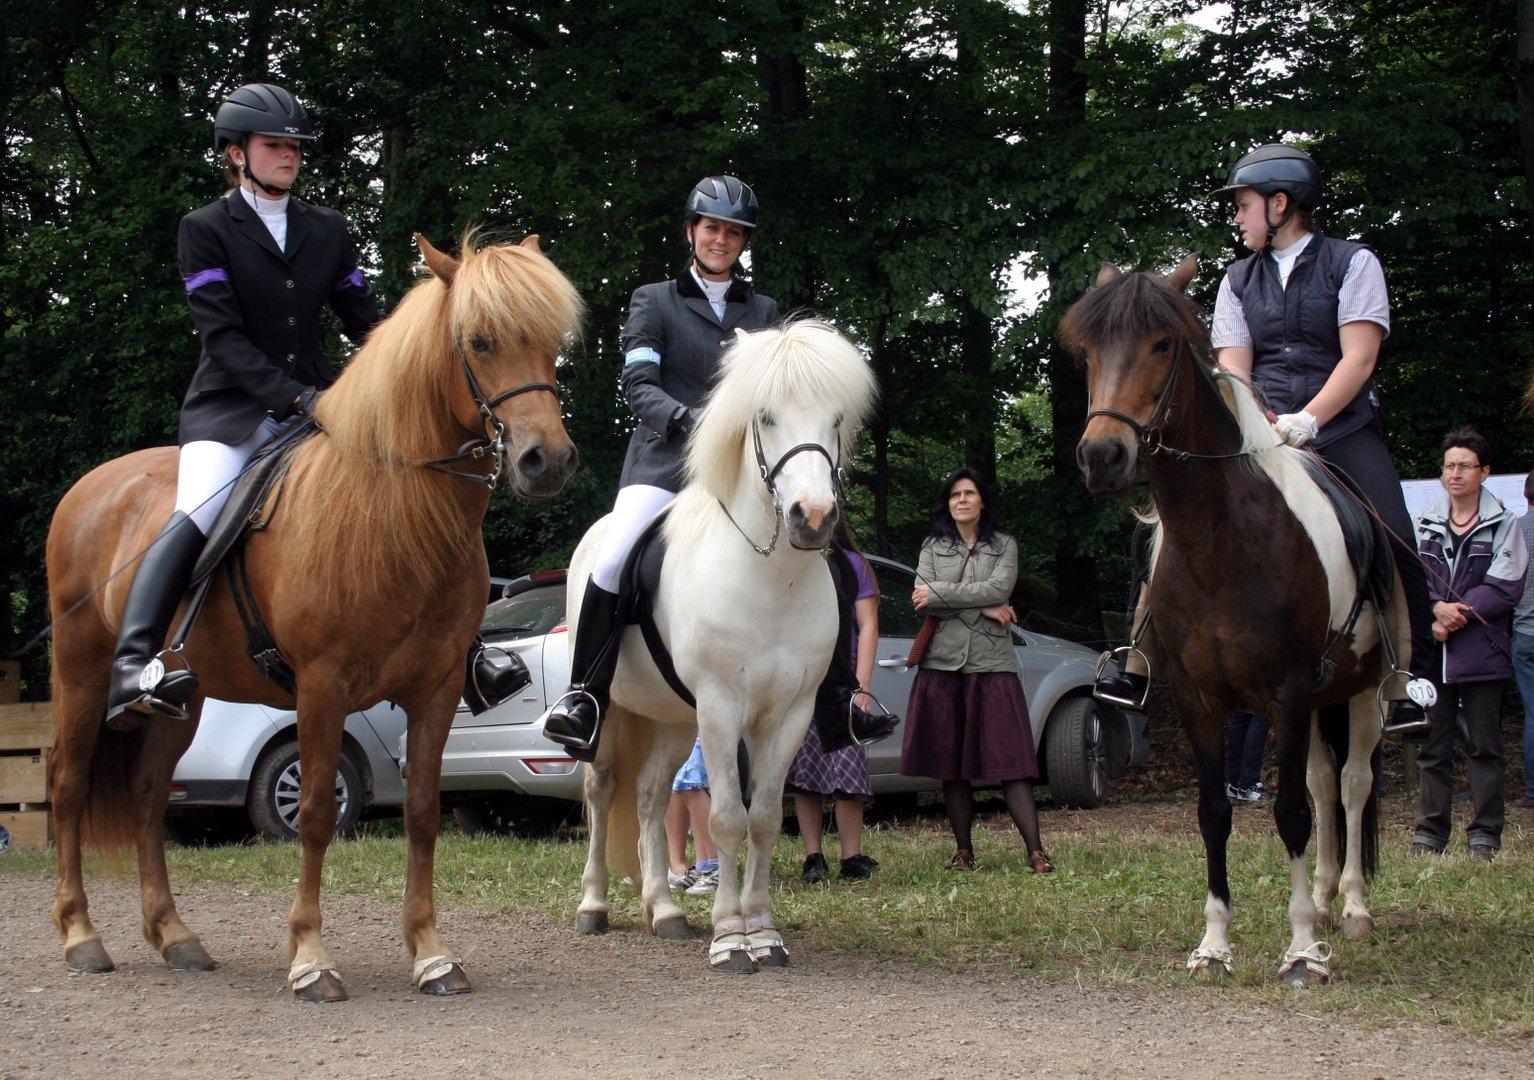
{"x":530,"y":614}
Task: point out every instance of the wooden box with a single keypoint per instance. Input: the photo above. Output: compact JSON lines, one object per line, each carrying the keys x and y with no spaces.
{"x":26,"y":727}
{"x":23,"y":776}
{"x":31,"y":830}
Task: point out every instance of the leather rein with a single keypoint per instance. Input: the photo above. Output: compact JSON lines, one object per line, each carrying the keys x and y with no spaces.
{"x":493,"y":445}
{"x":769,"y":477}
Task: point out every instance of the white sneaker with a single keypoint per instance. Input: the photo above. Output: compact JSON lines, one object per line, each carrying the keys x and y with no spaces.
{"x":707,"y":881}
{"x":681,"y":882}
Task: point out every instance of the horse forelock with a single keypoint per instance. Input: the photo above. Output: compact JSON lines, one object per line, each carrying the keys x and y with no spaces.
{"x":1128,"y":308}
{"x":805,"y":362}
{"x":514,"y":294}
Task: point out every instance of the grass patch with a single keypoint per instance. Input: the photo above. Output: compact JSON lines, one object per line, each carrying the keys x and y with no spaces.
{"x":1454,"y":943}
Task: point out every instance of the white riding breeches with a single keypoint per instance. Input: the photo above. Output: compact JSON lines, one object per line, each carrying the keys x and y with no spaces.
{"x":633,"y":509}
{"x":208,"y":470}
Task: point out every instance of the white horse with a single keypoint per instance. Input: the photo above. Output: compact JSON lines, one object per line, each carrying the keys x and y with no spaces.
{"x":747,"y":610}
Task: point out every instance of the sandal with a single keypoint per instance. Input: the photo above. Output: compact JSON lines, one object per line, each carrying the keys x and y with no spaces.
{"x":963,"y":859}
{"x":1040,"y":863}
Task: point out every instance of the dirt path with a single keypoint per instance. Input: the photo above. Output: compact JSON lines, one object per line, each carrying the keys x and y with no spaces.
{"x":551,"y":1004}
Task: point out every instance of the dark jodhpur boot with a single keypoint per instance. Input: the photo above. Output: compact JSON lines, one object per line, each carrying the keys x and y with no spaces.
{"x":486,"y":683}
{"x":575,"y":720}
{"x":838,"y":721}
{"x":141,"y":686}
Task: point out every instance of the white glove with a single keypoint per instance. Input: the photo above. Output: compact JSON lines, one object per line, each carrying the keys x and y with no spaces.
{"x":1296,"y":429}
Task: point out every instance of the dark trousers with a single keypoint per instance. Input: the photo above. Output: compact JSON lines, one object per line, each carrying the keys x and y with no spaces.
{"x":1364,"y":457}
{"x":1435,"y":765}
{"x":1246,"y":739}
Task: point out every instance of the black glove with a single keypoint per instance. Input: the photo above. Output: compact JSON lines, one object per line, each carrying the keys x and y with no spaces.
{"x":307,"y":399}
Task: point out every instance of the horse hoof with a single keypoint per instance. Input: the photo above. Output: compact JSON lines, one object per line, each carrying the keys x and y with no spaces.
{"x":188,"y":955}
{"x":1300,"y":977}
{"x":1213,"y":971}
{"x":323,"y":990}
{"x":455,"y":981}
{"x":89,"y":957}
{"x":773,"y":957}
{"x":1358,"y":927}
{"x":591,"y":922}
{"x":734,"y":962}
{"x":674,"y":928}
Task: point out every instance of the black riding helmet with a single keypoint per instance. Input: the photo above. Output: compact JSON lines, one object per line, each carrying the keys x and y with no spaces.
{"x":1276,"y":167}
{"x":724,"y":198}
{"x":259,"y":109}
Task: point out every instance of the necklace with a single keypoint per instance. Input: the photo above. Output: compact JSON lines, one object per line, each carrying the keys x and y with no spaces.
{"x":1472,"y":519}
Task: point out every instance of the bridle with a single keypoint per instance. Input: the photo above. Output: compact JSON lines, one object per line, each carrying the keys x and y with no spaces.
{"x":1150,"y":434}
{"x":769,"y":477}
{"x":494,"y":444}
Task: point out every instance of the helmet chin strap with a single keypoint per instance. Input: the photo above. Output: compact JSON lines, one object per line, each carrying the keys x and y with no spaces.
{"x":1267,"y":216}
{"x":271,"y":189}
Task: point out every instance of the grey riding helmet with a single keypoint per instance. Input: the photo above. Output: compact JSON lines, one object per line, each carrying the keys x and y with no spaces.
{"x":724,"y":198}
{"x":259,"y":109}
{"x":1274,"y":168}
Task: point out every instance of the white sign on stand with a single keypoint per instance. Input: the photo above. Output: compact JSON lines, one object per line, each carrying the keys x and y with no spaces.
{"x":1422,"y":494}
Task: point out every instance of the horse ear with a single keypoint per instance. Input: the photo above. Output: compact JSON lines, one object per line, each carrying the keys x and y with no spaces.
{"x":1108,"y":273}
{"x":531,"y":241}
{"x":443,"y":266}
{"x":1180,"y":277}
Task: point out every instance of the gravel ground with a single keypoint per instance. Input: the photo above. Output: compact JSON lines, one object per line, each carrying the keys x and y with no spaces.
{"x":550,"y":1003}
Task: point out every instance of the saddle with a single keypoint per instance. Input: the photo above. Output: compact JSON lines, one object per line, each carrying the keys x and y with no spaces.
{"x":251,"y":504}
{"x":639,"y":582}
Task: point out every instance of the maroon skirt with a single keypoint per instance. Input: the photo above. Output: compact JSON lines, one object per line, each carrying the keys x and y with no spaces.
{"x":968,"y":727}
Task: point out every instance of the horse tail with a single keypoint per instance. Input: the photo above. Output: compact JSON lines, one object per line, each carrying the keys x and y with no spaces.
{"x":85,"y":750}
{"x":1336,"y":732}
{"x":631,"y":749}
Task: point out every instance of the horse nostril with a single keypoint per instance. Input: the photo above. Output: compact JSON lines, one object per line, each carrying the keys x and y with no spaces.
{"x":532,"y":462}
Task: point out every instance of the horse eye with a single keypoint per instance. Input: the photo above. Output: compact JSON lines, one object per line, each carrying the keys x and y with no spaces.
{"x":837,"y":423}
{"x":765,"y":418}
{"x":1162,"y":346}
{"x":479,"y":344}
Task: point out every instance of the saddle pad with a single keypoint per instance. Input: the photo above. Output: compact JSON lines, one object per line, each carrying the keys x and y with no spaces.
{"x":1367,"y":542}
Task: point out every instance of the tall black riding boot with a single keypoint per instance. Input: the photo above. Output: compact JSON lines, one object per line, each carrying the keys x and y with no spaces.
{"x":575,"y":720}
{"x":1120,"y":680}
{"x":140,"y":684}
{"x":838,"y":721}
{"x":486,"y":684}
{"x":1409,"y":717}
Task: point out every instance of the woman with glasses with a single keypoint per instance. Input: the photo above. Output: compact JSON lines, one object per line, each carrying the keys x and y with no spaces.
{"x":1476,"y":560}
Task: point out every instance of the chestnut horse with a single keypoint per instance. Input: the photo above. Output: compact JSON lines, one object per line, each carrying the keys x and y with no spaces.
{"x":370,"y":575}
{"x":1252,"y":597}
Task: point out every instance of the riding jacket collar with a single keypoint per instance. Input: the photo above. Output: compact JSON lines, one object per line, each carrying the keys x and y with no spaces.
{"x":735,"y":300}
{"x":252,"y":228}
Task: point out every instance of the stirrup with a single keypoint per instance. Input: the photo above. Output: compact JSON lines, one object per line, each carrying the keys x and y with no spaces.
{"x":1121,"y":656}
{"x":1421,"y":695}
{"x":881,"y":725}
{"x":131,"y":714}
{"x":479,"y":692}
{"x":574,"y":743}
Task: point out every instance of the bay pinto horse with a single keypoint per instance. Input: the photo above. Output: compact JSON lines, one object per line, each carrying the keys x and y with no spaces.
{"x":370,"y":575}
{"x":747,"y":610}
{"x":1249,"y":597}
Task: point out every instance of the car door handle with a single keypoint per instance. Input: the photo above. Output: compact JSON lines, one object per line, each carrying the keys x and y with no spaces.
{"x":893,"y":662}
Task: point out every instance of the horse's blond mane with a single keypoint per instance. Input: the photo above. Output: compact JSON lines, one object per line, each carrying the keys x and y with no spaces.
{"x":388,"y":412}
{"x":805,"y":362}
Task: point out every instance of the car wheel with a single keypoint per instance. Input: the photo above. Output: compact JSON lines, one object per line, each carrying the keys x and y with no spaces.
{"x":526,"y":816}
{"x":1075,"y":754}
{"x":275,"y":787}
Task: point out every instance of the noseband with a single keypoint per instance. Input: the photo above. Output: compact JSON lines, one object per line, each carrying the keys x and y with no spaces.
{"x":494,"y":445}
{"x":1150,"y":434}
{"x":769,"y":477}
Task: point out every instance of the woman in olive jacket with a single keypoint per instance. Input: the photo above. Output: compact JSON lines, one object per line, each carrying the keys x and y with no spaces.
{"x":968,"y":717}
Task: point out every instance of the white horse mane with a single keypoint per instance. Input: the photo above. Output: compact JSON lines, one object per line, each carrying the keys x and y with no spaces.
{"x":805,"y":361}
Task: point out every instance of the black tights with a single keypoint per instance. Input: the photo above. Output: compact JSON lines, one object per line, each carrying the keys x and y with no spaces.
{"x":959,"y":801}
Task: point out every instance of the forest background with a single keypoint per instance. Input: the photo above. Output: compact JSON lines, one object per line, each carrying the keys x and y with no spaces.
{"x":940,"y":180}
